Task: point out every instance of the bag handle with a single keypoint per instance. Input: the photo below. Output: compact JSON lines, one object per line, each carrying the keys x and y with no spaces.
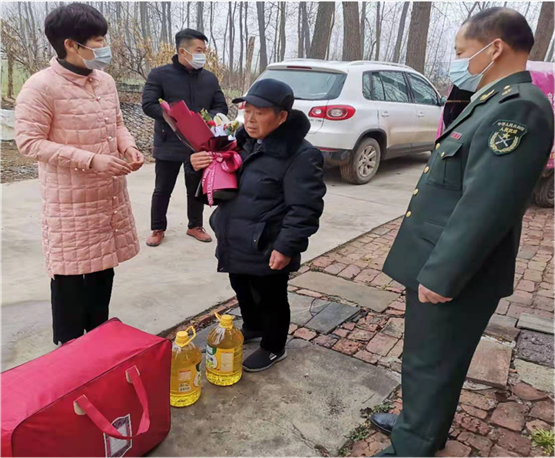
{"x":83,"y":406}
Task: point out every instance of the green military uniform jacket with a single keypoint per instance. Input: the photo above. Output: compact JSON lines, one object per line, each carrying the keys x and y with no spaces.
{"x":464,"y":220}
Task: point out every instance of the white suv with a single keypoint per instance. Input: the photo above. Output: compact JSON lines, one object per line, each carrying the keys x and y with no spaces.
{"x":362,"y":112}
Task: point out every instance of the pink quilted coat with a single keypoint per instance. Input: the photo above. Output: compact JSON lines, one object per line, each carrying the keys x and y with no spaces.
{"x":63,"y":120}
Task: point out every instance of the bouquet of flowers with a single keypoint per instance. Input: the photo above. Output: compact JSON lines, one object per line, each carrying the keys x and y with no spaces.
{"x":201,"y":132}
{"x":220,"y":125}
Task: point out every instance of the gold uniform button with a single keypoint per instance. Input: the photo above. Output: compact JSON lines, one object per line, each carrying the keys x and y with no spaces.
{"x":438,"y":145}
{"x":415,"y":192}
{"x":507,"y":87}
{"x":408,"y":214}
{"x":442,"y":154}
{"x":427,"y":169}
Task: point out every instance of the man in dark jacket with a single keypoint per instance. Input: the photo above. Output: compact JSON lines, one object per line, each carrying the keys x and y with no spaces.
{"x":184,"y":79}
{"x":263,"y":231}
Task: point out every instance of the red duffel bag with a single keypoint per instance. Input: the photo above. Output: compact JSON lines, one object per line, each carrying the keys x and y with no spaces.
{"x":104,"y":394}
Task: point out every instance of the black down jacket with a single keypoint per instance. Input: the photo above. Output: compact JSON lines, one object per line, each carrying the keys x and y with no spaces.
{"x":279,"y":201}
{"x":199,"y":89}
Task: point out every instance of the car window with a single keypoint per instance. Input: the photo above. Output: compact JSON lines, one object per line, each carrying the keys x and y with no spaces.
{"x":422,"y":91}
{"x":309,"y":84}
{"x":367,"y":86}
{"x":394,"y":86}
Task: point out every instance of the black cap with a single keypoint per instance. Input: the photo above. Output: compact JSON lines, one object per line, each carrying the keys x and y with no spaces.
{"x":269,"y":93}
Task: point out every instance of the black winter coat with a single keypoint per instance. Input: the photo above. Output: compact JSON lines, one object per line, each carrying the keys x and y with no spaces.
{"x":199,"y":89}
{"x":279,"y":201}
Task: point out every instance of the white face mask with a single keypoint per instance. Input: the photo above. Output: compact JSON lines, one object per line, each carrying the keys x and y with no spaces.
{"x":198,"y":61}
{"x":102,"y":58}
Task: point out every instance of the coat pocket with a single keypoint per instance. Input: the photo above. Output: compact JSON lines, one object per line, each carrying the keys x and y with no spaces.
{"x":431,"y":232}
{"x":257,"y":235}
{"x":446,"y":169}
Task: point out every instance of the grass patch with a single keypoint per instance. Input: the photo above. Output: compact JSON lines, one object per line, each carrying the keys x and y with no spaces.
{"x":544,"y":439}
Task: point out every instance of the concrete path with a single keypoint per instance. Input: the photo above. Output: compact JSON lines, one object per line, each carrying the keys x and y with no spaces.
{"x":300,"y":407}
{"x":164,"y":286}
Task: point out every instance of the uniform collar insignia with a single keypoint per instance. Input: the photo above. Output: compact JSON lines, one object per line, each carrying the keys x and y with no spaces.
{"x":488,"y":95}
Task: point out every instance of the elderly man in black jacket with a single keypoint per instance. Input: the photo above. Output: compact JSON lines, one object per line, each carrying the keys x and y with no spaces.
{"x":263,"y":231}
{"x":184,"y":79}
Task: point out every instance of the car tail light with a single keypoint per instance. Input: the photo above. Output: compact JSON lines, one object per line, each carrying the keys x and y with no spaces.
{"x":333,"y":112}
{"x":241,"y":106}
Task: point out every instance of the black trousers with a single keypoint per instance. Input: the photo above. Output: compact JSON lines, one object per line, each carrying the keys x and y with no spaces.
{"x":440,"y":341}
{"x":166,"y":177}
{"x":80,"y":303}
{"x":265,"y":307}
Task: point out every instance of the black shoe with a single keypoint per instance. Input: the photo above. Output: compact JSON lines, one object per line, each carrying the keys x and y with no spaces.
{"x":262,"y":359}
{"x":384,"y":422}
{"x":249,"y":335}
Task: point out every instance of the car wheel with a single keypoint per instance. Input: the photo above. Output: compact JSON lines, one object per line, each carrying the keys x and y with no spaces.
{"x":544,"y":193}
{"x":363,"y":163}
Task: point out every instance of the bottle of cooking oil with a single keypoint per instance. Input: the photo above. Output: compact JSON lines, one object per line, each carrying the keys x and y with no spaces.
{"x":185,"y":373}
{"x":224,"y":353}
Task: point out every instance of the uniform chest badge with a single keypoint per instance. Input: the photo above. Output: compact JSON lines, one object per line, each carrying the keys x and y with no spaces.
{"x":456,"y":135}
{"x":506,"y":136}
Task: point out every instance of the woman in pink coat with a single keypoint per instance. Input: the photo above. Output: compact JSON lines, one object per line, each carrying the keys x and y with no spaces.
{"x":68,"y":118}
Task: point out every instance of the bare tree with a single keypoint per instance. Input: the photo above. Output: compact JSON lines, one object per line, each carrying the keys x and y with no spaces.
{"x":212,"y":4}
{"x":322,"y":30}
{"x":544,"y":32}
{"x":200,"y":17}
{"x":300,"y":36}
{"x":401,"y":32}
{"x":247,"y":38}
{"x":418,"y":35}
{"x":351,"y":32}
{"x":232,"y":36}
{"x":262,"y":34}
{"x":282,"y":37}
{"x":378,"y":28}
{"x":248,"y":65}
{"x":305,"y":29}
{"x":362,"y":28}
{"x":10,"y":76}
{"x":241,"y":43}
{"x":328,"y":50}
{"x":164,"y":23}
{"x":169,"y":18}
{"x":188,"y":14}
{"x":145,"y":23}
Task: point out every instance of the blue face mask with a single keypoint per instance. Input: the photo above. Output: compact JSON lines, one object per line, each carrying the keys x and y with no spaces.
{"x":461,"y":77}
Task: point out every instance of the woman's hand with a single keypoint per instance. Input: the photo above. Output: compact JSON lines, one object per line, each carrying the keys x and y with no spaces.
{"x":201,"y":160}
{"x":110,"y":165}
{"x":135,"y":158}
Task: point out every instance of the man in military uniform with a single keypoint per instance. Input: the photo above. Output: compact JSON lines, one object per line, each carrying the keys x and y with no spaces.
{"x":456,"y":249}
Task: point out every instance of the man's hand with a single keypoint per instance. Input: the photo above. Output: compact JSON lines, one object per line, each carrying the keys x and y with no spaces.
{"x":135,"y":158}
{"x":279,"y":261}
{"x":110,"y":165}
{"x":426,"y":295}
{"x":200,"y":160}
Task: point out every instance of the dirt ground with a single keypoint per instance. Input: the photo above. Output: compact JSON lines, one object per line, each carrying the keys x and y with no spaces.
{"x":14,"y":166}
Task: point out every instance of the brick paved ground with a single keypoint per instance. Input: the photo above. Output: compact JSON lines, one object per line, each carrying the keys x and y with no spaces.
{"x":493,"y":418}
{"x":490,"y":421}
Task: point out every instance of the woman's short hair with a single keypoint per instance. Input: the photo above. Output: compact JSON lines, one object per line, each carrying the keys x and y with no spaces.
{"x":76,"y":21}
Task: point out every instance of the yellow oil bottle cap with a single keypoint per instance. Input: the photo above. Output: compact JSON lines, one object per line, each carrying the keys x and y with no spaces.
{"x":182,"y":337}
{"x":226,"y":321}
